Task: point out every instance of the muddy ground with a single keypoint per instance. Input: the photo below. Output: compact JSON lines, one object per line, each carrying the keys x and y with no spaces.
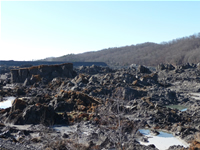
{"x":101,"y":108}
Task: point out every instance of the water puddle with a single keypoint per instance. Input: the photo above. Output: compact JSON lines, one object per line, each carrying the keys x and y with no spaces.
{"x":179,"y":107}
{"x":163,"y":140}
{"x":81,"y":131}
{"x":19,"y":127}
{"x":64,"y":129}
{"x":7,"y":102}
{"x":84,"y":129}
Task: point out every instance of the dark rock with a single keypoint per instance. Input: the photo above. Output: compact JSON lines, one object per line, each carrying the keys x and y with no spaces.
{"x":5,"y":134}
{"x":154,"y":132}
{"x":93,"y":69}
{"x":152,"y":145}
{"x":23,"y":73}
{"x":65,"y":135}
{"x":18,"y":104}
{"x":93,"y":79}
{"x":37,"y":115}
{"x":63,"y":106}
{"x":149,"y":79}
{"x":15,"y":75}
{"x":37,"y":72}
{"x":81,"y":78}
{"x":54,"y":74}
{"x":144,"y":139}
{"x":72,"y":100}
{"x":126,"y":93}
{"x":34,"y":114}
{"x":163,"y":96}
{"x":70,"y":84}
{"x":165,"y":67}
{"x":171,"y":95}
{"x":34,"y":79}
{"x":176,"y":147}
{"x":143,"y":69}
{"x":20,"y":91}
{"x":186,"y":66}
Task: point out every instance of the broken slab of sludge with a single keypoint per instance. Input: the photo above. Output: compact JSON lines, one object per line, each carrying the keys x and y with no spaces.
{"x":46,"y":71}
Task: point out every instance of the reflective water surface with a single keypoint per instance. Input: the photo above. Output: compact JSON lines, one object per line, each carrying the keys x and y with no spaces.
{"x":179,"y":107}
{"x":162,"y":141}
{"x":7,"y":102}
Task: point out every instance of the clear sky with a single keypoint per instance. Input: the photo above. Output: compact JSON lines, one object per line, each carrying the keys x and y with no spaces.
{"x":33,"y":30}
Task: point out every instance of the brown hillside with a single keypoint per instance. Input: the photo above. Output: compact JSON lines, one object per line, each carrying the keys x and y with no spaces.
{"x":178,"y":51}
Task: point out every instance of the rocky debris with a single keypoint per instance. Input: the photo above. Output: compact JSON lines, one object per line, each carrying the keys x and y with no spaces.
{"x":154,"y":132}
{"x":177,"y":148}
{"x":194,"y":145}
{"x":143,"y":69}
{"x":133,"y":66}
{"x":81,"y":78}
{"x":179,"y":75}
{"x":126,"y":93}
{"x":5,"y":79}
{"x":94,"y":69}
{"x":103,"y":108}
{"x":186,"y":66}
{"x":147,"y":80}
{"x":72,"y":100}
{"x":34,"y":73}
{"x":167,"y":67}
{"x":21,"y":114}
{"x":163,"y":96}
{"x":6,"y":69}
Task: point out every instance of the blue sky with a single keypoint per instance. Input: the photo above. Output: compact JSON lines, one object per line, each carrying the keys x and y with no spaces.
{"x":33,"y":30}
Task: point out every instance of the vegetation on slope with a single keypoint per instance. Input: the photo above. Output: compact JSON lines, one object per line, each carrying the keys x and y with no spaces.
{"x":178,"y":51}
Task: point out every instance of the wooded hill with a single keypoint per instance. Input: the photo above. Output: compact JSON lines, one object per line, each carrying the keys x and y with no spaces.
{"x":178,"y":51}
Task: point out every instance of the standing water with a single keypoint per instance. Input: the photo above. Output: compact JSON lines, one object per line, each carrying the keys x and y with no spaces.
{"x":163,"y":140}
{"x":179,"y":107}
{"x":7,"y":102}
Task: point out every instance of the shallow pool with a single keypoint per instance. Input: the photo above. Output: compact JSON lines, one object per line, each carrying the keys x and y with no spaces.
{"x":179,"y":107}
{"x":162,"y":141}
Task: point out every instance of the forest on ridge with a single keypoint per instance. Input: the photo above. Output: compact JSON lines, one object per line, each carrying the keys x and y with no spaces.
{"x":177,"y":51}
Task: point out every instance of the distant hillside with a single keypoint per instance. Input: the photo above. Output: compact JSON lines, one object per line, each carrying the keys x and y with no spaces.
{"x":178,"y":51}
